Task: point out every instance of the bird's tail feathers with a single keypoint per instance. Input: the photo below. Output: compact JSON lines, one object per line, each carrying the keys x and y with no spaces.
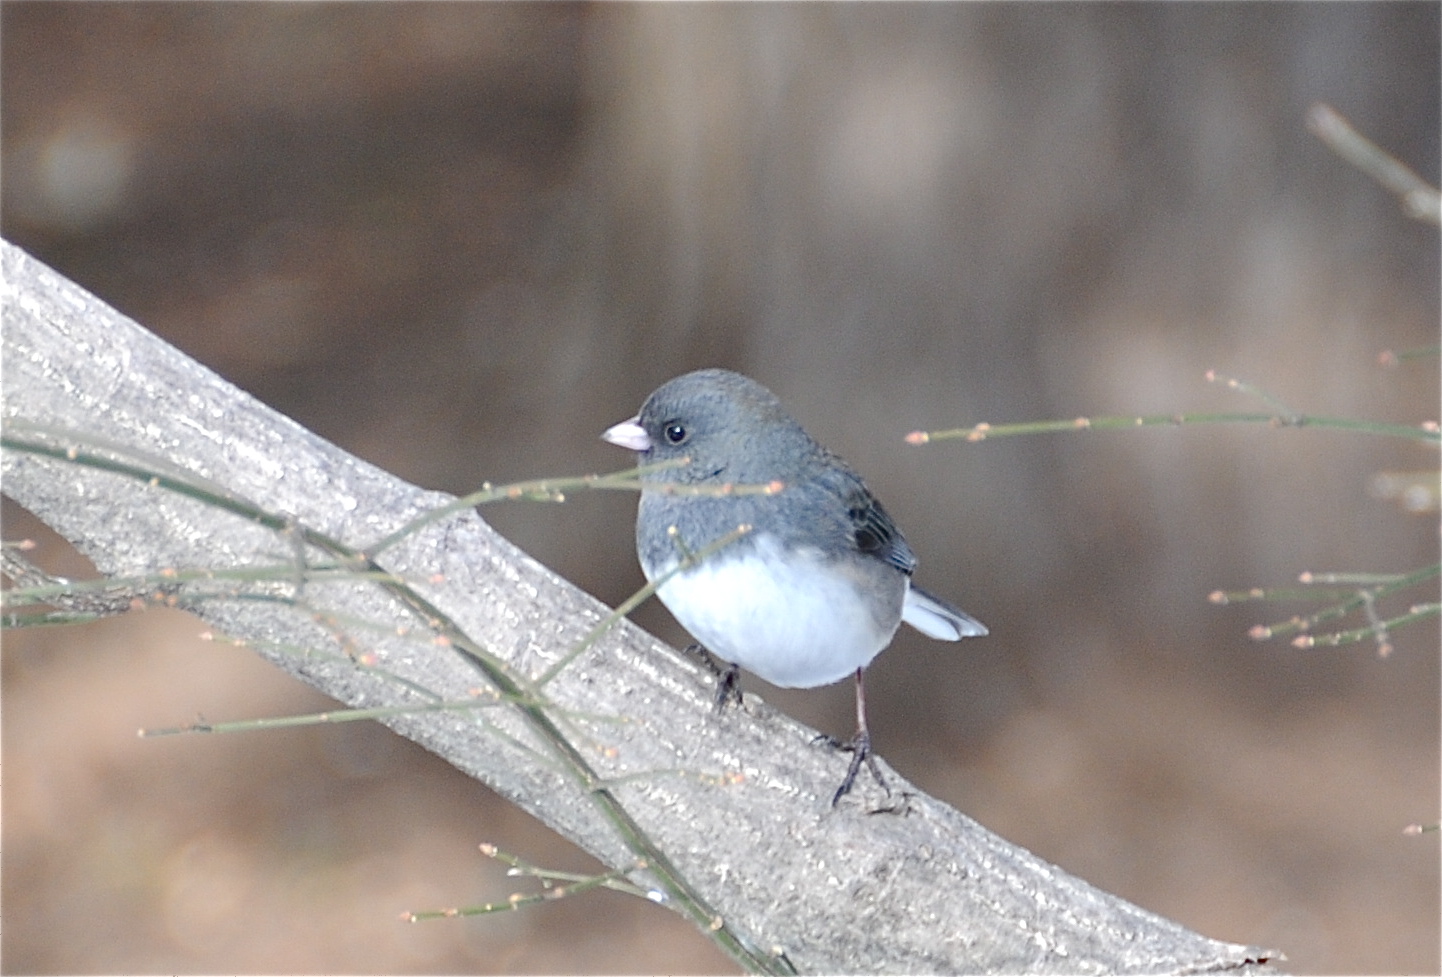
{"x":935,"y":618}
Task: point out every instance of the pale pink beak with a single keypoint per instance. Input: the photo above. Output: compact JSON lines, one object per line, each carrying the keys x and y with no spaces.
{"x":628,"y":434}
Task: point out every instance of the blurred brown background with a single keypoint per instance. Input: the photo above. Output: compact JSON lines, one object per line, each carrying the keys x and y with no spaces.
{"x":461,"y":239}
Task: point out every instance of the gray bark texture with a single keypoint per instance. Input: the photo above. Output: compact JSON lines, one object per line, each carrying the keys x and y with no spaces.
{"x":739,"y":803}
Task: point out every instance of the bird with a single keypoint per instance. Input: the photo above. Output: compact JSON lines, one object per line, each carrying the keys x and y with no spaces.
{"x":770,"y":550}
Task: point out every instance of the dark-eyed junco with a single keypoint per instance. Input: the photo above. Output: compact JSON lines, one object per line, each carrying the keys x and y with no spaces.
{"x":816,"y":587}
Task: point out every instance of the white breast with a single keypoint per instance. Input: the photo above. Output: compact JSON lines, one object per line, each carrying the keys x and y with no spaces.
{"x":797,"y":623}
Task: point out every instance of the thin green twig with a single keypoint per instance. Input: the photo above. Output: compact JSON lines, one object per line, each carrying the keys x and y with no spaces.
{"x":1378,"y":629}
{"x":1392,"y":358}
{"x":555,"y":489}
{"x":1427,"y":432}
{"x":328,"y":718}
{"x":546,"y":876}
{"x":614,"y":879}
{"x":1279,"y":416}
{"x":1366,"y":590}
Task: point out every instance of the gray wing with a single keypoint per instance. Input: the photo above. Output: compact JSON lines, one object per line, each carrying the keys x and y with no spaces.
{"x":866,"y":524}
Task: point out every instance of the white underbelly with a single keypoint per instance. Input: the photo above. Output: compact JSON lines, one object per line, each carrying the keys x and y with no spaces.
{"x":797,"y":628}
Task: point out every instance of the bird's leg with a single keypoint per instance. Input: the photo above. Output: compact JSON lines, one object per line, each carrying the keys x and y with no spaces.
{"x":859,"y":747}
{"x":728,"y":687}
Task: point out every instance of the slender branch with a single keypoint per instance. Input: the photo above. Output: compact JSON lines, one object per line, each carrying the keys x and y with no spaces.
{"x":1427,"y":431}
{"x":1418,"y":198}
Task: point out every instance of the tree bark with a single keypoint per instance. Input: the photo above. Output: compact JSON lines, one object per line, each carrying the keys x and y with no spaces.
{"x":738,"y":806}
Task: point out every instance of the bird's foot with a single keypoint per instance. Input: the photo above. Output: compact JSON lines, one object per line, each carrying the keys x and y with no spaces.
{"x":859,"y":747}
{"x":728,"y":687}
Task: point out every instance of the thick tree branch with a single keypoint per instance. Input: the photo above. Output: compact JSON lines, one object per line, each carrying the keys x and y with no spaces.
{"x":739,"y":805}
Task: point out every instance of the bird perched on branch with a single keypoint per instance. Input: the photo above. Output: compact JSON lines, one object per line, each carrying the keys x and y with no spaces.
{"x":781,"y":561}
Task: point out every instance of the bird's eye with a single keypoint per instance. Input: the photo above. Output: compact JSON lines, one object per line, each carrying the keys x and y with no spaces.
{"x":676,"y":432}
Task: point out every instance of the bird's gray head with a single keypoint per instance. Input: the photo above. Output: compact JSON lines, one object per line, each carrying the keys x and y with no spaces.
{"x":730,"y":427}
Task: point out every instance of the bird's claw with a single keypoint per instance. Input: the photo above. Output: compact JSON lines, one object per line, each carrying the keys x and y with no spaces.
{"x":728,"y":686}
{"x":859,"y":747}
